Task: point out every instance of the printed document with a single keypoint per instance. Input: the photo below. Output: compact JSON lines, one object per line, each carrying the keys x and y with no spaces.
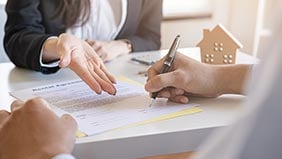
{"x":98,"y":113}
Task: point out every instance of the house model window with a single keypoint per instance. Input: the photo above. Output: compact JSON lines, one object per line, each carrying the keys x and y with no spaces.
{"x":218,"y":46}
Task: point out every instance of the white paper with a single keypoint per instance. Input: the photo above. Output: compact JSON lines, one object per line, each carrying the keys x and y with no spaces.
{"x":98,"y":113}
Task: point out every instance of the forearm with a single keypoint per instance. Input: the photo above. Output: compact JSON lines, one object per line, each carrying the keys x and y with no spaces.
{"x":24,"y":48}
{"x":231,"y":79}
{"x":25,"y":34}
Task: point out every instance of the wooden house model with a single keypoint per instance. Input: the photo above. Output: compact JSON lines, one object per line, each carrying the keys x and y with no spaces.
{"x":218,"y":46}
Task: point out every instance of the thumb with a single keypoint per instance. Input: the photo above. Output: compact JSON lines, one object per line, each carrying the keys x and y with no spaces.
{"x":65,"y":53}
{"x":154,"y":69}
{"x":69,"y":122}
{"x":65,"y":60}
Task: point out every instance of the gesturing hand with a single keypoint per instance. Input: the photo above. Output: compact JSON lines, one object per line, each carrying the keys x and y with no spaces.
{"x":79,"y":56}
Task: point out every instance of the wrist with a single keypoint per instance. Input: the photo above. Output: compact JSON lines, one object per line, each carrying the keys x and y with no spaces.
{"x":231,"y":79}
{"x":219,"y":80}
{"x":127,"y":45}
{"x":49,"y":49}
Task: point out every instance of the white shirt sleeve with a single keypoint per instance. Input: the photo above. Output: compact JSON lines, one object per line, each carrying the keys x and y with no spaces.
{"x":63,"y":156}
{"x":53,"y":64}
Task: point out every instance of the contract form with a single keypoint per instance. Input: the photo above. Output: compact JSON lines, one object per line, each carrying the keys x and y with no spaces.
{"x":99,"y":113}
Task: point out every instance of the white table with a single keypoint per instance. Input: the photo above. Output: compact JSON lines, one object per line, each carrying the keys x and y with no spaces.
{"x":170,"y":136}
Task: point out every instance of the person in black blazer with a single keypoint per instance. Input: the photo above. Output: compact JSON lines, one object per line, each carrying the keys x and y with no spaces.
{"x":31,"y":23}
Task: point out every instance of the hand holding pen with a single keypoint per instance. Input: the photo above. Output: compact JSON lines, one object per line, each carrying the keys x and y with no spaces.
{"x":168,"y":60}
{"x":185,"y":78}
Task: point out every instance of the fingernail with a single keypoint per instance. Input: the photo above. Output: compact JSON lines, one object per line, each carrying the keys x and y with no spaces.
{"x":148,"y":86}
{"x":113,"y":94}
{"x":112,"y":91}
{"x":99,"y":92}
{"x":184,"y":100}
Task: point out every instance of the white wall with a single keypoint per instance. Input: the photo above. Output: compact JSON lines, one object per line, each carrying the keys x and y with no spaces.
{"x":243,"y":21}
{"x":190,"y":17}
{"x":238,"y":16}
{"x":190,"y":31}
{"x":264,"y":30}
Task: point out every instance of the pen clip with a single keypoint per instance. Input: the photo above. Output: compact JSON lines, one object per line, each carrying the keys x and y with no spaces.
{"x":172,"y":51}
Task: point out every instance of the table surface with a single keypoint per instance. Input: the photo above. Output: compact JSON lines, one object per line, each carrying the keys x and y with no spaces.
{"x":169,"y":136}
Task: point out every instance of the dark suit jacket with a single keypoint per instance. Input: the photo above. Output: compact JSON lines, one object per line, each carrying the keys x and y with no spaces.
{"x":30,"y":23}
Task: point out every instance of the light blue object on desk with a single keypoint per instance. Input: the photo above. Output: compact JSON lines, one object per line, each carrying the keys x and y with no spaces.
{"x":147,"y":59}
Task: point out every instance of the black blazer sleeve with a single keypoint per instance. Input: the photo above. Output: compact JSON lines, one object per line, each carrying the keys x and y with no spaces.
{"x":143,"y":24}
{"x":25,"y":34}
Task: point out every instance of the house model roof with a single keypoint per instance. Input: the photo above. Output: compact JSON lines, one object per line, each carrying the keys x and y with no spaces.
{"x":220,"y":29}
{"x":218,"y":46}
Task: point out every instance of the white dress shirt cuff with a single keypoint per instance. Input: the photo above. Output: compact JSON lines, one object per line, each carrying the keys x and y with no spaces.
{"x":53,"y":64}
{"x":63,"y":156}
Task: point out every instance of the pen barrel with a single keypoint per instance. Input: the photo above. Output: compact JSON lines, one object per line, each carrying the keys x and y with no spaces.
{"x":165,"y":68}
{"x":168,"y":61}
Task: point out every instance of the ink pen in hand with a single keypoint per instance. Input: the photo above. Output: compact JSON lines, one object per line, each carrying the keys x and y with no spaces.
{"x":168,"y":60}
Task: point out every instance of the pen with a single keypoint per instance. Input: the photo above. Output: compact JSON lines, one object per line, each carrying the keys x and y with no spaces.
{"x":143,"y":73}
{"x":148,"y":63}
{"x":168,"y":60}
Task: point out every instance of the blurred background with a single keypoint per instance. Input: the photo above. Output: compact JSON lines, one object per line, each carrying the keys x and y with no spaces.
{"x":247,"y":20}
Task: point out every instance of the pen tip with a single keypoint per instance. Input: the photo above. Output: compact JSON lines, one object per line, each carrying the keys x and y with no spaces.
{"x":151,"y":104}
